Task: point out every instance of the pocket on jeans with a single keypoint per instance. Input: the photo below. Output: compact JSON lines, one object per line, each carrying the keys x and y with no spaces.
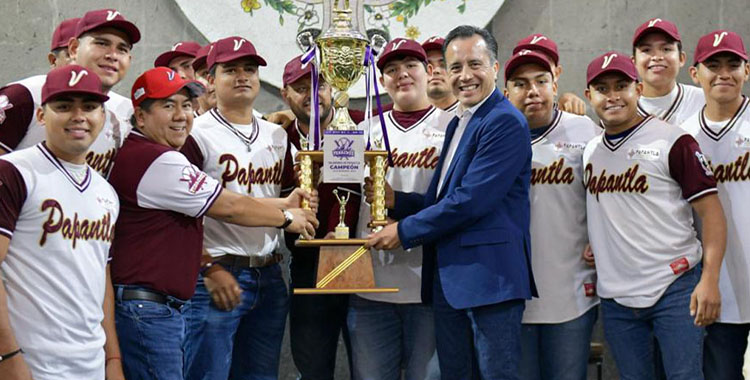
{"x":151,"y":310}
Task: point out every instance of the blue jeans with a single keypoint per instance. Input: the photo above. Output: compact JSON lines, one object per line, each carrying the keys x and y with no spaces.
{"x":558,"y":351}
{"x":387,"y":337}
{"x":244,"y":343}
{"x":630,"y":334}
{"x":724,"y":350}
{"x":150,"y":336}
{"x":494,"y":332}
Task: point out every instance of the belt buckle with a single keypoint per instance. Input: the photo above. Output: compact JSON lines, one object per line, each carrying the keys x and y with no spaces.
{"x":177,"y":305}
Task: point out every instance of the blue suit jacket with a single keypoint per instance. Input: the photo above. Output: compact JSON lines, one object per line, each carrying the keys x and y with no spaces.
{"x":477,"y":226}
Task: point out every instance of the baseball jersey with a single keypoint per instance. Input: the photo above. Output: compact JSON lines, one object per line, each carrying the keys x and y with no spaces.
{"x":726,"y":145}
{"x":60,"y":219}
{"x":252,"y":160}
{"x":566,"y":285}
{"x":415,"y":150}
{"x":639,"y":218}
{"x":20,"y":129}
{"x":159,"y":236}
{"x":675,"y":107}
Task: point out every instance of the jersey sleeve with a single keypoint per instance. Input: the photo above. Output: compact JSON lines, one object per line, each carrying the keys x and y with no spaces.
{"x":172,"y":183}
{"x":192,"y":151}
{"x":12,"y":196}
{"x":690,"y":168}
{"x":16,"y":113}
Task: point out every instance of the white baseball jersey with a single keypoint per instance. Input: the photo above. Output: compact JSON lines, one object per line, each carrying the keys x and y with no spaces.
{"x":20,"y":129}
{"x":415,"y":150}
{"x":565,"y":283}
{"x":677,"y":106}
{"x":640,"y":221}
{"x":253,"y":160}
{"x":726,"y":145}
{"x":60,"y":219}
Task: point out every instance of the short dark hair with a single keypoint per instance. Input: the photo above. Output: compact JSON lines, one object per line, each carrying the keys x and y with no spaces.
{"x":669,"y":38}
{"x":468,"y":31}
{"x":145,"y":105}
{"x":212,"y":70}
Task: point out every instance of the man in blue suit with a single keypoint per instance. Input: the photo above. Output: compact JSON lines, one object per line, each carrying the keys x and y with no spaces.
{"x":474,"y":220}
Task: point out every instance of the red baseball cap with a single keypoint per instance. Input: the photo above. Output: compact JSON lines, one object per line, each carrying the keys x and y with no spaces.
{"x":433,"y":43}
{"x":63,"y":33}
{"x":399,"y":48}
{"x":103,"y":18}
{"x":608,"y":62}
{"x":180,"y":49}
{"x":231,"y":48}
{"x":294,"y":70}
{"x":656,"y":25}
{"x":201,"y":56}
{"x":159,"y":83}
{"x":719,"y":41}
{"x":523,"y":57}
{"x":539,"y":42}
{"x":72,"y":79}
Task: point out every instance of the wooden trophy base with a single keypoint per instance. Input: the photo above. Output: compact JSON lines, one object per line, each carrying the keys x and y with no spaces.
{"x":344,"y":267}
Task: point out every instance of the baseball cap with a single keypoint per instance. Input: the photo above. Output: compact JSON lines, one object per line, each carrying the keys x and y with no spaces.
{"x":656,"y":25}
{"x":72,"y":79}
{"x":433,"y":43}
{"x":539,"y":42}
{"x":159,"y":83}
{"x":63,"y":33}
{"x":294,"y":70}
{"x":102,"y":18}
{"x":201,"y":55}
{"x":184,"y":48}
{"x":401,"y":47}
{"x":523,"y":57}
{"x":231,"y":48}
{"x":719,"y":41}
{"x":608,"y":62}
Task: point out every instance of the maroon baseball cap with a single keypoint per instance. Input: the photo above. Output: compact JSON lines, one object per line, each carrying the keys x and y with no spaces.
{"x":294,"y":70}
{"x":719,"y":41}
{"x":111,"y":18}
{"x":72,"y":79}
{"x":539,"y":42}
{"x":612,"y":61}
{"x":159,"y":83}
{"x":399,"y":48}
{"x":180,"y":49}
{"x":63,"y":33}
{"x":201,"y":56}
{"x":231,"y":48}
{"x":523,"y":57}
{"x":656,"y":25}
{"x":433,"y":43}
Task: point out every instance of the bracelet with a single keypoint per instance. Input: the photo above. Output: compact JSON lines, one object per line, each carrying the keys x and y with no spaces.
{"x":10,"y":354}
{"x":112,"y":358}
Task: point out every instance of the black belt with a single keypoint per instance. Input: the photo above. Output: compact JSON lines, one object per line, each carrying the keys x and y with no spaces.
{"x":148,"y":295}
{"x":249,"y":261}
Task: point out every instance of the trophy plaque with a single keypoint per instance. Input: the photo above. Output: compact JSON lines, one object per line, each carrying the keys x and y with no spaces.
{"x":344,"y":266}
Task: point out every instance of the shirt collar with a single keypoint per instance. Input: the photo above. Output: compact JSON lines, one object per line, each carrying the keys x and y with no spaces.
{"x":461,"y":111}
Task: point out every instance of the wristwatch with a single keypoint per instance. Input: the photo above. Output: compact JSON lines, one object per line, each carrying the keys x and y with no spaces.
{"x":288,"y":219}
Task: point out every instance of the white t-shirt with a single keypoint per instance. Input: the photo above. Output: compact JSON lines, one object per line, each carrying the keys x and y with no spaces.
{"x":681,"y":103}
{"x":60,"y":219}
{"x":726,"y":145}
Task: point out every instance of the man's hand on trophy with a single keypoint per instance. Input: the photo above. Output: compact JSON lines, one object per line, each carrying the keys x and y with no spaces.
{"x":303,"y":223}
{"x":390,"y":198}
{"x":294,"y":200}
{"x":387,"y":238}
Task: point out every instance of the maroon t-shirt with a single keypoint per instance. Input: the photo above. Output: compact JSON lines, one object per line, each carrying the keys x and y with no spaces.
{"x":16,"y":113}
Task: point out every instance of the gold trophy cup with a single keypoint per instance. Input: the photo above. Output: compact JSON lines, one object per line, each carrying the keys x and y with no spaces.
{"x":342,"y":52}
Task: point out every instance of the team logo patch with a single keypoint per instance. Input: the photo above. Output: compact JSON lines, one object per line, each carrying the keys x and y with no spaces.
{"x":170,"y":75}
{"x":589,"y":289}
{"x":76,"y":77}
{"x":107,"y":203}
{"x":742,"y":142}
{"x":680,"y":265}
{"x":653,"y":22}
{"x":607,"y":60}
{"x":567,"y":146}
{"x":343,"y":148}
{"x":176,"y":46}
{"x":718,"y":38}
{"x":112,"y":14}
{"x":5,"y":105}
{"x":536,"y":39}
{"x":139,"y":92}
{"x":646,"y":154}
{"x":238,"y":44}
{"x":194,"y":178}
{"x":704,"y":164}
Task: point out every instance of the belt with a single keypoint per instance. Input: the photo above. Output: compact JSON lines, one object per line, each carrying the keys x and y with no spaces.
{"x":249,"y":261}
{"x":148,"y":295}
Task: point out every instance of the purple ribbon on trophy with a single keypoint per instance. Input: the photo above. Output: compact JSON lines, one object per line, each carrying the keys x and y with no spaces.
{"x":371,"y":77}
{"x":310,"y":58}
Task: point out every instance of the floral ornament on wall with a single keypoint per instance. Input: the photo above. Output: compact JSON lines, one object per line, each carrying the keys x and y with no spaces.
{"x":280,"y":6}
{"x":404,"y":9}
{"x":307,"y":17}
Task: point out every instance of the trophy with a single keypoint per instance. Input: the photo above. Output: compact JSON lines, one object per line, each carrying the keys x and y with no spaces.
{"x":343,"y":48}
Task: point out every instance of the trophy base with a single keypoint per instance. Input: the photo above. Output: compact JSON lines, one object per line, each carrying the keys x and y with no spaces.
{"x":316,"y":291}
{"x":341,"y":233}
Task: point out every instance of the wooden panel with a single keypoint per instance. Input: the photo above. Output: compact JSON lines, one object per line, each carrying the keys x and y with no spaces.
{"x":358,"y":275}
